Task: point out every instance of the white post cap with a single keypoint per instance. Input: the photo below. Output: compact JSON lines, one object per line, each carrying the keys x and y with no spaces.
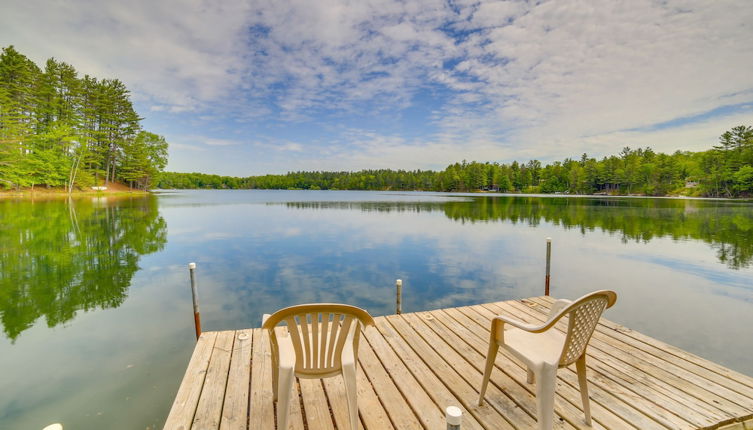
{"x":191,"y":266}
{"x":399,"y":282}
{"x":549,"y":240}
{"x":454,"y":415}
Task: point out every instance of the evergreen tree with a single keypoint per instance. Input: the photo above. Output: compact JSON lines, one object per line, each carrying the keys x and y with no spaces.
{"x":59,"y":130}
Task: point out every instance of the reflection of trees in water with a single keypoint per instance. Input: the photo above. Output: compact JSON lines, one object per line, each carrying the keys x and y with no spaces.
{"x":59,"y":257}
{"x":370,"y":206}
{"x":726,"y":225}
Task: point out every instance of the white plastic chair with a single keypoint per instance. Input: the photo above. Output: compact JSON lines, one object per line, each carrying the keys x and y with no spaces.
{"x":321,"y":341}
{"x":544,"y":349}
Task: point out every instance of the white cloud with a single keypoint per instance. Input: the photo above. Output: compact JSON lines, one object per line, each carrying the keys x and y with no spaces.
{"x":280,"y":146}
{"x":177,"y":54}
{"x":568,"y":70}
{"x":338,"y":55}
{"x":219,"y":142}
{"x":539,"y":80}
{"x":186,"y":147}
{"x":290,"y":146}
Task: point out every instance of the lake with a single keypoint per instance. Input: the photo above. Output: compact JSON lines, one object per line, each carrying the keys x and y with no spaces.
{"x":95,"y":300}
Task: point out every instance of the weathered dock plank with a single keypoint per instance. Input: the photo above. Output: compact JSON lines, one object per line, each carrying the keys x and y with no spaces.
{"x":209,"y":409}
{"x":184,"y":407}
{"x":388,"y":393}
{"x":421,"y":403}
{"x":235,"y":409}
{"x":412,"y":366}
{"x":261,"y":408}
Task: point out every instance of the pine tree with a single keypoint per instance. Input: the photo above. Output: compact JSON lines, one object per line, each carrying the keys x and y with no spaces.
{"x":57,"y":129}
{"x":17,"y":103}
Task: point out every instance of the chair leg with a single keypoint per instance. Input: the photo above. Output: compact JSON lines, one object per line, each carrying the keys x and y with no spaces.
{"x":580,"y":364}
{"x":491,"y":355}
{"x":284,"y":390}
{"x":546,"y":379}
{"x":275,"y":381}
{"x":349,"y":377}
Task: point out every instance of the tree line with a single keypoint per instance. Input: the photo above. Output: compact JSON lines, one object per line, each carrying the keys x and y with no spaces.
{"x":61,"y":130}
{"x":383,"y":179}
{"x":726,"y":170}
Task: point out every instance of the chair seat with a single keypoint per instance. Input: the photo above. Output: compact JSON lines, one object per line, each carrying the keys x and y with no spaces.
{"x":534,"y":348}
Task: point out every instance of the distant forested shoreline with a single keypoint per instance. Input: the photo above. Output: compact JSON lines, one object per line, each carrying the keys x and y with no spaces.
{"x":68,"y":132}
{"x":726,"y":170}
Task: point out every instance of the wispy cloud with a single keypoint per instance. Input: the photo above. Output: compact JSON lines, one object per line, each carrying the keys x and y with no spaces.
{"x":219,"y":142}
{"x":185,"y":147}
{"x":290,"y":146}
{"x":176,"y":55}
{"x":279,"y":146}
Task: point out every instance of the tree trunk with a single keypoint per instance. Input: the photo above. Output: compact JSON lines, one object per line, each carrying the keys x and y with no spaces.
{"x":72,"y":176}
{"x":107,"y":170}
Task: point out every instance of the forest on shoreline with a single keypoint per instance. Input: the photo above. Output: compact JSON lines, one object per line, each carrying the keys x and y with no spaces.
{"x":68,"y":132}
{"x":726,"y":170}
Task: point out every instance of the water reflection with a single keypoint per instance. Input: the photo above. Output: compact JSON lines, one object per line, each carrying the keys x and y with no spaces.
{"x":725,"y":225}
{"x":58,"y":258}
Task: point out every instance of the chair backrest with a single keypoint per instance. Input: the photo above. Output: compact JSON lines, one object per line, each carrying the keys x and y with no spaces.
{"x":319,"y":332}
{"x":583,"y":315}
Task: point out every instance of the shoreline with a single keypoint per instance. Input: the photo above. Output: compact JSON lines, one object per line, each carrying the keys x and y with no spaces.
{"x":109,"y":189}
{"x":58,"y":194}
{"x":472,"y":194}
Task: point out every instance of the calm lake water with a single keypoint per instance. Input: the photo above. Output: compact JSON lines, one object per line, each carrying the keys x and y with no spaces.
{"x":95,"y":303}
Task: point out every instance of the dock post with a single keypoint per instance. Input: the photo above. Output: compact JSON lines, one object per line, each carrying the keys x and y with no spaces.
{"x":454,"y":417}
{"x":548,"y":264}
{"x":399,"y":298}
{"x":196,"y":317}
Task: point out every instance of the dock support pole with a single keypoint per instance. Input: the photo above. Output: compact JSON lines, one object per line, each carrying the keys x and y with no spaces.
{"x":196,"y":317}
{"x":454,"y":417}
{"x":399,"y":298}
{"x":548,"y":264}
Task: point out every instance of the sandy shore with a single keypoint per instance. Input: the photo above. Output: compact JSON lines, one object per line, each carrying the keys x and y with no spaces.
{"x":113,"y":189}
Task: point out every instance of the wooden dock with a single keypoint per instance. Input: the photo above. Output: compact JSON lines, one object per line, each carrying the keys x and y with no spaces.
{"x":412,"y":366}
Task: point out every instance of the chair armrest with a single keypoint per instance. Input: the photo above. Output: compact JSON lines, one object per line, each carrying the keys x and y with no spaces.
{"x":279,"y":331}
{"x":519,"y":324}
{"x":554,"y":315}
{"x":557,"y":306}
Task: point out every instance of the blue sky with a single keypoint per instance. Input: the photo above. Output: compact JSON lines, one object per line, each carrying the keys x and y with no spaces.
{"x":254,"y":87}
